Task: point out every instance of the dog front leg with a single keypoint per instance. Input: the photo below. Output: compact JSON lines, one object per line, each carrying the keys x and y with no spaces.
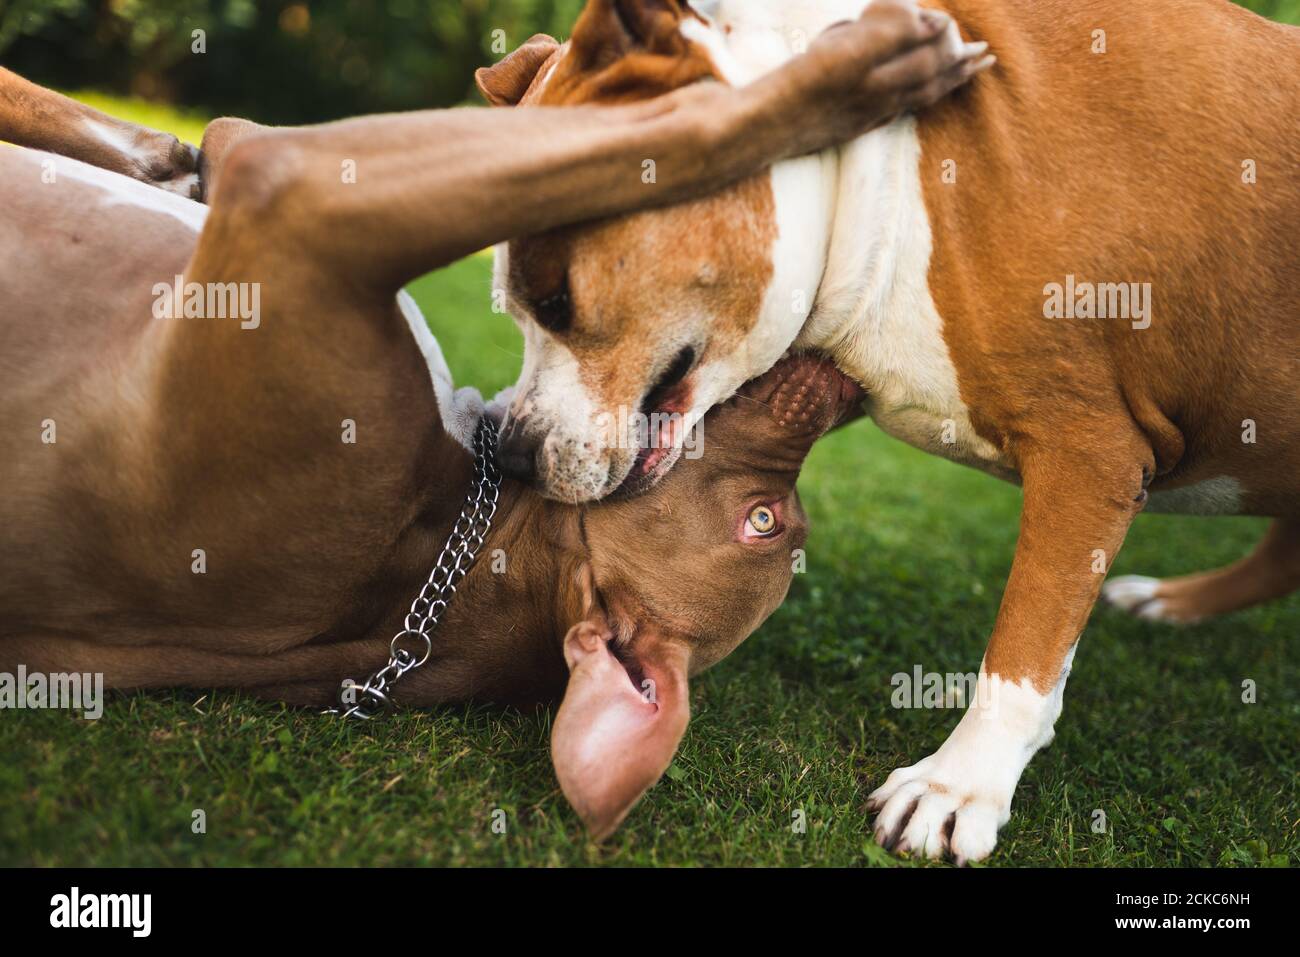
{"x":41,"y":119}
{"x":1076,"y":513}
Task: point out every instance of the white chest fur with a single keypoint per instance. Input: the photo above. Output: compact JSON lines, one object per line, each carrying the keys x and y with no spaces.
{"x":873,"y":311}
{"x":861,"y":210}
{"x":459,"y":409}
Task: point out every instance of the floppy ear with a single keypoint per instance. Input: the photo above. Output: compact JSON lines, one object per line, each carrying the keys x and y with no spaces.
{"x":608,"y":30}
{"x":505,"y":82}
{"x":612,"y":740}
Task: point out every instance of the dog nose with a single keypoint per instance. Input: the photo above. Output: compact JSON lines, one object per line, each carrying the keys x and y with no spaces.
{"x":517,"y":452}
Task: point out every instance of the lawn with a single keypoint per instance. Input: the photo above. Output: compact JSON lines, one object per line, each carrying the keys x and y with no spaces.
{"x":906,"y":562}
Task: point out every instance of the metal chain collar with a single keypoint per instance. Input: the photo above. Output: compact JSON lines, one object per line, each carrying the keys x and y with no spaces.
{"x":372,"y":699}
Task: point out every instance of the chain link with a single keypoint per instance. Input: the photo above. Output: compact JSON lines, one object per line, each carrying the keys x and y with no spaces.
{"x":410,"y":648}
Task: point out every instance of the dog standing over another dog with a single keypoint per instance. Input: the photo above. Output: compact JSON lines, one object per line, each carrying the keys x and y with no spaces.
{"x":1117,"y":146}
{"x":183,"y":505}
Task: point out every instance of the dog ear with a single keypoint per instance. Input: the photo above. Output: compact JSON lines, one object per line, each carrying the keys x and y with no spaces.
{"x":505,"y":82}
{"x":608,"y":30}
{"x":612,"y":740}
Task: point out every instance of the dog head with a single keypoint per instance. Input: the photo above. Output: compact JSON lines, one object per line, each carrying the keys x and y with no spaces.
{"x":657,"y":315}
{"x":676,"y":578}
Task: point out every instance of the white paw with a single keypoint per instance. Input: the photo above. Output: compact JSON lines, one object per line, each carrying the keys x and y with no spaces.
{"x":1130,"y":592}
{"x":1136,"y":594}
{"x":927,"y":810}
{"x":953,"y":802}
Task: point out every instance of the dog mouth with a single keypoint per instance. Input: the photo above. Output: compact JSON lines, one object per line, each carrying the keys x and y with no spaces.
{"x":637,"y":647}
{"x":661,"y":426}
{"x":654,"y":460}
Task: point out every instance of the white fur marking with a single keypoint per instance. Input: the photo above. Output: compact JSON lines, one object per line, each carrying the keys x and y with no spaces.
{"x":853,"y":235}
{"x":122,"y":190}
{"x":116,"y":139}
{"x":1136,"y":594}
{"x":973,"y":775}
{"x":184,"y":186}
{"x":1153,"y":611}
{"x":551,"y":395}
{"x":459,"y":409}
{"x":1129,"y":591}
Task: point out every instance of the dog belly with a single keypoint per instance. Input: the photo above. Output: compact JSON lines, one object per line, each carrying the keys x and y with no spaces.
{"x":1223,"y":495}
{"x":143,"y":506}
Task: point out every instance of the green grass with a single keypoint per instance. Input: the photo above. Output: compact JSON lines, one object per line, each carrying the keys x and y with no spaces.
{"x":907,"y":559}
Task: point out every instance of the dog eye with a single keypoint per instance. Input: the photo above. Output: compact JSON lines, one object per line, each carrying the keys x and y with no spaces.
{"x":761,"y":521}
{"x":555,"y":313}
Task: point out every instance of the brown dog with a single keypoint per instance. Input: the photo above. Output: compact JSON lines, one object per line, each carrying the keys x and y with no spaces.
{"x":1080,"y":275}
{"x":224,"y":464}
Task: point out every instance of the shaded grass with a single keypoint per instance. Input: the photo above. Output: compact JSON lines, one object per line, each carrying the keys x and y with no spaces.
{"x":906,"y":562}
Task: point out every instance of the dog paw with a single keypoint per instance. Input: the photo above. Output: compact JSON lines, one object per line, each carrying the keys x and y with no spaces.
{"x":150,"y":156}
{"x":164,"y":161}
{"x":927,"y":810}
{"x":953,"y":802}
{"x":1145,"y":598}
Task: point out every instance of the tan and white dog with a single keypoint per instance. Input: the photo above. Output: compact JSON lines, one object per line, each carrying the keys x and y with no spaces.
{"x":1079,"y":274}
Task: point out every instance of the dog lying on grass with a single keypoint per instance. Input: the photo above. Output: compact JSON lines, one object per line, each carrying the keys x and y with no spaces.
{"x":252,"y":499}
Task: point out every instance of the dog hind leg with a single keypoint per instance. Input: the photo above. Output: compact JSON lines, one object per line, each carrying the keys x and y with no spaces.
{"x":1271,"y":571}
{"x":41,"y":119}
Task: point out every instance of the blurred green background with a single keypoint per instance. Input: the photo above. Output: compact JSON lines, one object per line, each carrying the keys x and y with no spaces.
{"x":277,"y":61}
{"x":291,"y":61}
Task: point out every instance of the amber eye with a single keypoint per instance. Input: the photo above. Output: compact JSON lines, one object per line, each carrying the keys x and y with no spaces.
{"x":762,"y":520}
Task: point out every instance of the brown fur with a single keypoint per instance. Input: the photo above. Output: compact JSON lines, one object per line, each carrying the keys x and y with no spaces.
{"x":625,"y":53}
{"x":41,"y":119}
{"x":718,"y":261}
{"x":183,"y":434}
{"x":1124,"y":166}
{"x":1271,"y":571}
{"x":653,"y":274}
{"x":1134,"y":182}
{"x":1117,"y":167}
{"x":294,"y":610}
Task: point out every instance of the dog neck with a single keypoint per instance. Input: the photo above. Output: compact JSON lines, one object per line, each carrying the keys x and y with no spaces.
{"x":872,"y":283}
{"x":501,"y":637}
{"x":845,"y":216}
{"x":854,"y":230}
